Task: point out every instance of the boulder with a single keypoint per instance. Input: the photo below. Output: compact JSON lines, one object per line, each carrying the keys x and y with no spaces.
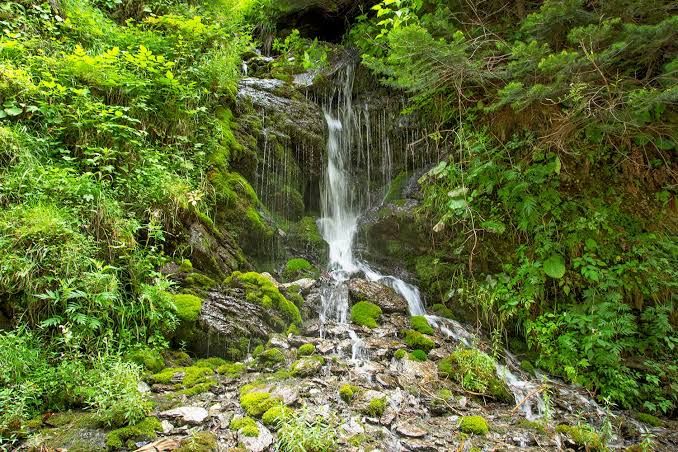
{"x":386,"y":298}
{"x":192,"y":415}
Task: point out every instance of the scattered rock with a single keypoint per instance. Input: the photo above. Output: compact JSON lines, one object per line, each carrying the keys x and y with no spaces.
{"x":406,"y":428}
{"x":384,"y":297}
{"x":192,"y":415}
{"x":259,"y":443}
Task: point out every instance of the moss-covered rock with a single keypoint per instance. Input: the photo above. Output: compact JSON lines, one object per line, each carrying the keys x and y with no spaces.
{"x":149,"y":358}
{"x":189,"y":381}
{"x":400,"y":354}
{"x":442,"y":311}
{"x":145,"y":430}
{"x":376,"y":407}
{"x":187,"y":307}
{"x":649,"y":419}
{"x":276,"y":415}
{"x":418,"y":355}
{"x":260,"y":290}
{"x":270,"y":357}
{"x":199,"y":442}
{"x":299,"y":268}
{"x":417,"y":341}
{"x":583,"y":436}
{"x":307,"y":366}
{"x":475,"y":371}
{"x":232,"y":370}
{"x":347,"y":392}
{"x":210,"y":363}
{"x":420,"y":324}
{"x":366,"y":314}
{"x":246,"y":426}
{"x":306,"y":350}
{"x":476,"y":425}
{"x":256,"y":403}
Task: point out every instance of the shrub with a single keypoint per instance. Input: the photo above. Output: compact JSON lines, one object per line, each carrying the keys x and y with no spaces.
{"x":476,"y":425}
{"x":420,"y":324}
{"x":255,"y":403}
{"x":245,"y":425}
{"x":366,"y":314}
{"x":306,"y":350}
{"x":416,"y":340}
{"x":298,"y":433}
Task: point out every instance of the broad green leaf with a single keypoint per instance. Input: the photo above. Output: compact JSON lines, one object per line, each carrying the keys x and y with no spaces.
{"x":13,"y":111}
{"x":554,"y":266}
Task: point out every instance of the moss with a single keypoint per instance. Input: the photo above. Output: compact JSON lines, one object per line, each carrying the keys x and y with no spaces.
{"x":475,"y":371}
{"x":149,"y":358}
{"x":199,"y":442}
{"x":199,"y":281}
{"x":582,"y":435}
{"x":198,"y":388}
{"x":176,"y":358}
{"x":418,"y":355}
{"x":245,"y":425}
{"x":232,"y":370}
{"x":256,"y":403}
{"x":276,"y":415}
{"x":538,"y":426}
{"x":296,"y":298}
{"x":128,"y":436}
{"x":297,"y":268}
{"x":649,"y":419}
{"x":397,"y":185}
{"x":420,"y":324}
{"x":376,"y":407}
{"x":442,"y":310}
{"x":307,"y":366}
{"x":260,"y":290}
{"x":366,"y":314}
{"x":190,"y":380}
{"x":347,"y":392}
{"x":271,"y":356}
{"x":186,"y":266}
{"x":400,"y":354}
{"x":293,"y":329}
{"x":305,"y":235}
{"x":476,"y":425}
{"x":358,"y":440}
{"x":306,"y":350}
{"x":210,"y":363}
{"x":187,"y":306}
{"x":527,"y":367}
{"x":416,"y":340}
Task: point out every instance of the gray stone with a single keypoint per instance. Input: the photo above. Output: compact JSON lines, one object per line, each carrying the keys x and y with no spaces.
{"x":258,"y":444}
{"x":192,"y":415}
{"x":406,"y":428}
{"x":384,"y":297}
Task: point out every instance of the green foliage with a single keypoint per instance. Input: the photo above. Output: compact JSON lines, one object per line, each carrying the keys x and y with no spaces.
{"x":347,"y":392}
{"x":145,"y":430}
{"x":417,"y":341}
{"x":474,"y":371}
{"x":476,"y":425}
{"x":232,"y":370}
{"x":419,"y":323}
{"x":260,"y":290}
{"x":298,"y":54}
{"x":199,"y":442}
{"x":276,"y":416}
{"x":376,"y":407}
{"x":583,"y":435}
{"x":245,"y":425}
{"x":300,"y":432}
{"x":366,"y":314}
{"x":306,"y":350}
{"x":256,"y":403}
{"x":148,"y":358}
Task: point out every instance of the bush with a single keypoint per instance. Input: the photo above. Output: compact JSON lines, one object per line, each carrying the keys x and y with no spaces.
{"x":416,"y":340}
{"x":366,"y":314}
{"x":476,"y":425}
{"x":420,"y":324}
{"x":306,"y":350}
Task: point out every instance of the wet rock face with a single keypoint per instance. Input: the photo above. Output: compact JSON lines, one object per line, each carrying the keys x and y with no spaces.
{"x":384,"y":297}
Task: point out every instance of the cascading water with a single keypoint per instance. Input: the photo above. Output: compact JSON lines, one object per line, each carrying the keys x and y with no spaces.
{"x":339,"y":227}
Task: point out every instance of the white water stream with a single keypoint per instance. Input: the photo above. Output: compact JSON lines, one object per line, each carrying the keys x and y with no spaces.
{"x":339,"y":226}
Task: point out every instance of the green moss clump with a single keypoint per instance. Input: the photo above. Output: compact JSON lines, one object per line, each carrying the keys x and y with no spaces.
{"x":476,"y":425}
{"x":475,"y":371}
{"x":186,"y":266}
{"x":232,"y":370}
{"x":306,"y":350}
{"x":210,"y":363}
{"x":245,"y":425}
{"x":366,"y":314}
{"x":527,"y":367}
{"x":176,"y":358}
{"x":127,"y":436}
{"x":195,"y":380}
{"x":199,"y":281}
{"x":256,"y":403}
{"x":199,"y":442}
{"x":260,"y":290}
{"x":442,"y":310}
{"x":400,"y":354}
{"x":293,"y":329}
{"x":416,"y":340}
{"x":376,"y":407}
{"x":271,"y":356}
{"x":583,"y":436}
{"x":187,"y":306}
{"x":276,"y":415}
{"x":538,"y":426}
{"x":307,"y":366}
{"x":297,"y":268}
{"x":649,"y":419}
{"x":347,"y":392}
{"x":418,"y":355}
{"x":419,"y":323}
{"x":149,"y":358}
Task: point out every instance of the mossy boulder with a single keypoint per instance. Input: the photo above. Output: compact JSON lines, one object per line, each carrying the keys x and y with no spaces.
{"x":232,"y":370}
{"x":199,"y":442}
{"x":417,"y":341}
{"x":475,"y":371}
{"x":476,"y":425}
{"x":420,"y":324}
{"x":307,"y":366}
{"x":246,"y":426}
{"x":256,"y":402}
{"x":260,"y":290}
{"x":276,"y":415}
{"x":187,"y":307}
{"x":366,"y":314}
{"x":583,"y":436}
{"x":127,"y":437}
{"x":270,"y":357}
{"x":189,"y":381}
{"x":306,"y":350}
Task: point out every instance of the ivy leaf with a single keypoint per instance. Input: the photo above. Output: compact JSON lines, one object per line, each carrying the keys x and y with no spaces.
{"x":554,"y":266}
